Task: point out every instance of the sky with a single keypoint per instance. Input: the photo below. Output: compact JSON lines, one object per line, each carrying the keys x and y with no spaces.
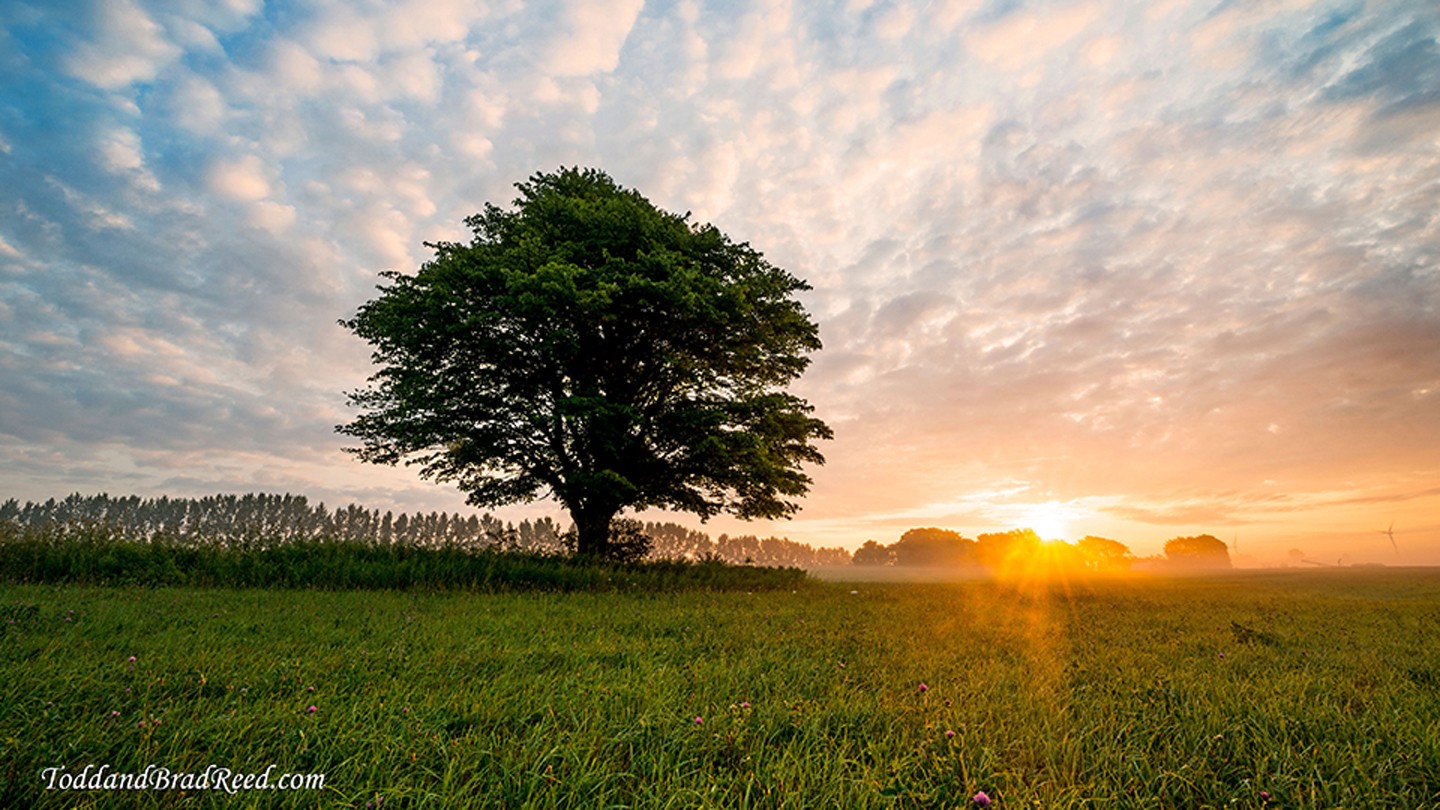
{"x":1099,"y":267}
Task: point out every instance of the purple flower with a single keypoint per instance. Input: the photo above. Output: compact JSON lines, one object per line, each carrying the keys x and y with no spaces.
{"x":699,"y":720}
{"x":949,"y":735}
{"x":744,"y":704}
{"x":310,"y":710}
{"x":923,"y":687}
{"x":981,"y":799}
{"x":1264,"y":795}
{"x":131,"y":659}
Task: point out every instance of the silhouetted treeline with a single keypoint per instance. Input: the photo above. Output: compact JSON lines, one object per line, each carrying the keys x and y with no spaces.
{"x":268,"y":519}
{"x":1023,"y":551}
{"x":1017,"y":550}
{"x":671,"y":541}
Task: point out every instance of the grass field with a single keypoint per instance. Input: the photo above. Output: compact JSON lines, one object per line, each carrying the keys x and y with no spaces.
{"x":1283,"y":690}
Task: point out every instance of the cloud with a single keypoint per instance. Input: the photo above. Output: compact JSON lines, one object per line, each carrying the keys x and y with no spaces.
{"x":245,"y":178}
{"x":1177,"y":262}
{"x":590,"y":36}
{"x":125,"y":45}
{"x":1019,"y":39}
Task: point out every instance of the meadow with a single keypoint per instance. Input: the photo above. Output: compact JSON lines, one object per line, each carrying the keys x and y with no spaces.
{"x":1312,"y":689}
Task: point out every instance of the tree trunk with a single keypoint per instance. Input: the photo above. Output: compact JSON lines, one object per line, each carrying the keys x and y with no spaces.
{"x":592,"y":530}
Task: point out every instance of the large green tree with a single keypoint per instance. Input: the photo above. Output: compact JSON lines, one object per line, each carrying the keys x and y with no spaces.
{"x":588,"y":346}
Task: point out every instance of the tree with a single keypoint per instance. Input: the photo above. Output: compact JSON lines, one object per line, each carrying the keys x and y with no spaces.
{"x":933,"y":547}
{"x":1004,"y":550}
{"x":1104,"y":554}
{"x":593,"y":348}
{"x":872,"y":553}
{"x":1201,"y":551}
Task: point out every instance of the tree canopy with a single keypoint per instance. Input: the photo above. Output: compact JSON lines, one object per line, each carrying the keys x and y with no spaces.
{"x":588,"y":346}
{"x":1201,"y":551}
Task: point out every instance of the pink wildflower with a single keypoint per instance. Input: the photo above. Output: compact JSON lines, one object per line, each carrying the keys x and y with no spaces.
{"x":981,"y":799}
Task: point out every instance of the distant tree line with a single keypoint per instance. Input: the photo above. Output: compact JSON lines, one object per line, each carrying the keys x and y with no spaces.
{"x":1022,"y":550}
{"x":674,"y":542}
{"x":270,"y":519}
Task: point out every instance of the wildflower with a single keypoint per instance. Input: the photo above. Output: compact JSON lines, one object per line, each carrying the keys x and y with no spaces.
{"x":310,"y":689}
{"x":1222,"y":655}
{"x":114,"y":714}
{"x":310,"y":710}
{"x":1264,"y":795}
{"x":949,"y":734}
{"x":923,"y":687}
{"x":699,"y":720}
{"x":744,"y":704}
{"x":131,"y":659}
{"x":981,"y":799}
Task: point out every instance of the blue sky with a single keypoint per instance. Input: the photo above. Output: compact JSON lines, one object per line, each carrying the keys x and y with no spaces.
{"x":1132,"y":270}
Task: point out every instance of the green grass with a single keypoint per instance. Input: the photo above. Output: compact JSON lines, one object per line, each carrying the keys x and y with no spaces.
{"x":1320,"y":688}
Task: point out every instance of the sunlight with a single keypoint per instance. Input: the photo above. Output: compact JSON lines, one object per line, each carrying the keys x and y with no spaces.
{"x":1049,"y":520}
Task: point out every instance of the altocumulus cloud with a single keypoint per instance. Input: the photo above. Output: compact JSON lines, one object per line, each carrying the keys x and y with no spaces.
{"x":1176,"y":263}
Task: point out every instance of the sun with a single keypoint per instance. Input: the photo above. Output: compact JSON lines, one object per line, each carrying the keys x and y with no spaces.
{"x":1049,"y":520}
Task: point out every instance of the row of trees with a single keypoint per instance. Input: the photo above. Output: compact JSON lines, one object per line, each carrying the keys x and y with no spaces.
{"x":270,"y":519}
{"x":672,"y":541}
{"x":1024,"y":549}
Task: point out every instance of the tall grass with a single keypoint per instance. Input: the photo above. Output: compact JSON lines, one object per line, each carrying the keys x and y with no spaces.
{"x":98,"y":556}
{"x":1302,"y":691}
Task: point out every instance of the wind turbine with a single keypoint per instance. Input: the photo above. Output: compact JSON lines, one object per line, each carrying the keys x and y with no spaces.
{"x":1390,"y":533}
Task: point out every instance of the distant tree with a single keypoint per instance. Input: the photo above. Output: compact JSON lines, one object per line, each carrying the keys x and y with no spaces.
{"x":933,"y":547}
{"x":675,"y":542}
{"x":1104,"y":554}
{"x":1006,"y":549}
{"x":594,"y":348}
{"x":1200,"y":551}
{"x":872,"y":553}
